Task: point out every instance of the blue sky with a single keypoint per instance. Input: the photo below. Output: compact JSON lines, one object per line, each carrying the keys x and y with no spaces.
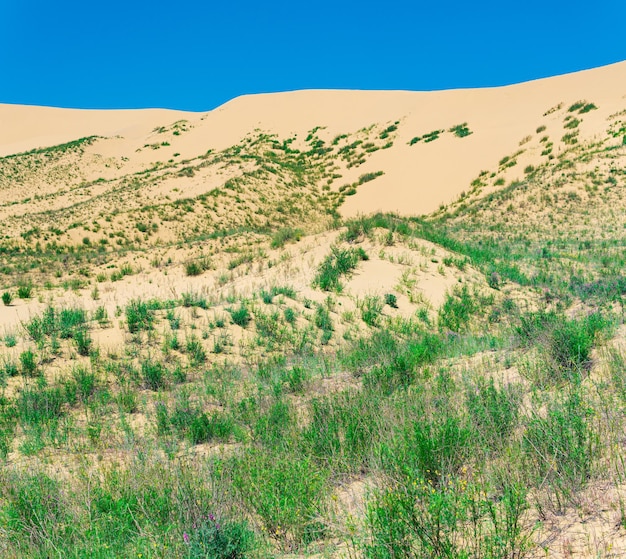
{"x":197,"y":55}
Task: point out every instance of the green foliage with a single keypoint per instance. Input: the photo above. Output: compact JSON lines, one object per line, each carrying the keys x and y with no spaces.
{"x":286,"y":492}
{"x":284,"y":236}
{"x":461,"y":130}
{"x":197,"y":266}
{"x":391,"y":300}
{"x":459,"y":519}
{"x":7,"y":298}
{"x":25,"y":291}
{"x":220,"y":539}
{"x":39,"y":406}
{"x":28,"y":362}
{"x":240,"y":316}
{"x":214,"y":427}
{"x":154,"y":374}
{"x":139,"y":316}
{"x":338,"y":263}
{"x":458,"y":309}
{"x":197,"y":353}
{"x":371,"y":309}
{"x":561,"y":445}
{"x":494,"y":411}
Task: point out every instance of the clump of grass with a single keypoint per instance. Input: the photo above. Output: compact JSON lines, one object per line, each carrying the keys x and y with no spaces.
{"x":25,"y":291}
{"x":7,"y":298}
{"x":338,"y":263}
{"x":219,"y":539}
{"x":461,"y":130}
{"x":197,"y":266}
{"x":240,"y":316}
{"x":286,"y":235}
{"x":371,"y":308}
{"x":139,"y":316}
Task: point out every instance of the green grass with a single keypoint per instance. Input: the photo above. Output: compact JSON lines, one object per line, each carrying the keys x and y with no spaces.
{"x":340,"y":262}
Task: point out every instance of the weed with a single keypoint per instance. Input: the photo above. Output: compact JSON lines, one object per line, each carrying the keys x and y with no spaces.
{"x":339,"y":263}
{"x":240,"y":316}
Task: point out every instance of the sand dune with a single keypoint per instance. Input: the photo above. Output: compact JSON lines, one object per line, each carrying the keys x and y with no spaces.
{"x":416,"y":178}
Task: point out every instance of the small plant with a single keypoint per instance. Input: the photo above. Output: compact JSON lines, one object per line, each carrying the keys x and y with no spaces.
{"x":240,"y":316}
{"x":391,"y":300}
{"x":460,"y":130}
{"x":28,"y":362}
{"x":196,"y":267}
{"x":284,"y":236}
{"x":138,"y":316}
{"x":153,"y":374}
{"x":371,"y":309}
{"x":25,"y":291}
{"x":7,"y":298}
{"x":219,"y":539}
{"x":339,"y":263}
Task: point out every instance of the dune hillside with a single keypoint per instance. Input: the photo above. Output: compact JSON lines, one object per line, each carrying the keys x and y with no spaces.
{"x":332,"y":324}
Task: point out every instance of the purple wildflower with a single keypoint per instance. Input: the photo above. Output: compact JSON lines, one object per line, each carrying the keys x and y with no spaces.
{"x":186,"y":537}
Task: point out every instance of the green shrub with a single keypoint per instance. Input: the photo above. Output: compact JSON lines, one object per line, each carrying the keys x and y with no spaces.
{"x":196,"y":351}
{"x":138,"y":316}
{"x":286,"y":492}
{"x":25,"y":291}
{"x":493,"y":411}
{"x":458,"y":309}
{"x":417,"y":519}
{"x":460,"y":130}
{"x":371,"y":309}
{"x":240,"y":316}
{"x":339,"y":263}
{"x":560,"y":447}
{"x":215,"y":427}
{"x":391,"y":300}
{"x":196,"y":267}
{"x":219,"y":539}
{"x":7,"y":298}
{"x":154,"y":375}
{"x":28,"y":362}
{"x":284,"y":236}
{"x":83,"y":341}
{"x":38,"y":406}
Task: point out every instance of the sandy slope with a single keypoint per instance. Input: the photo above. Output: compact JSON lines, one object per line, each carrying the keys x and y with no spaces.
{"x":417,"y":178}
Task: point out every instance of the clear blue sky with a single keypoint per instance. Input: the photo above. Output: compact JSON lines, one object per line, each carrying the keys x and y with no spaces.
{"x":195,"y":55}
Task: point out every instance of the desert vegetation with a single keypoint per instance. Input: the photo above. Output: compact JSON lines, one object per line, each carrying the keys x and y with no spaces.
{"x":239,"y":371}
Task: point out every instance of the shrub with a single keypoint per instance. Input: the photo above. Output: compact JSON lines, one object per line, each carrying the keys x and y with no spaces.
{"x":25,"y":291}
{"x":215,"y":427}
{"x":461,"y":130}
{"x":286,"y":492}
{"x":219,"y":539}
{"x":7,"y":298}
{"x":560,"y":446}
{"x":138,"y":316}
{"x":153,"y":374}
{"x":196,"y":267}
{"x":339,"y":263}
{"x":37,"y":406}
{"x":28,"y":362}
{"x":83,"y":341}
{"x":371,"y":309}
{"x":197,"y":354}
{"x":458,"y":309}
{"x":241,"y":316}
{"x":284,"y":236}
{"x":391,"y":300}
{"x":417,"y":519}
